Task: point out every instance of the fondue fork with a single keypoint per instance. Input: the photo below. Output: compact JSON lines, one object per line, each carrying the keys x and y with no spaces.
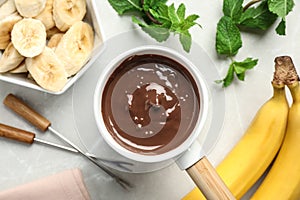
{"x":19,"y":107}
{"x":29,"y":137}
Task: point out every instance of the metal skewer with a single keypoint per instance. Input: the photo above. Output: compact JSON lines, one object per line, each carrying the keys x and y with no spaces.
{"x":44,"y":124}
{"x":118,"y":163}
{"x":56,"y":145}
{"x":29,"y":137}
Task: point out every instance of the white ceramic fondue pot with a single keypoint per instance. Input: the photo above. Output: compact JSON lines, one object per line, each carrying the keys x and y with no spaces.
{"x":188,"y":154}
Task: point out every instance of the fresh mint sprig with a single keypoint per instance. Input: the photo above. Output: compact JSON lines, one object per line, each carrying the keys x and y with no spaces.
{"x":238,"y":17}
{"x":158,"y":19}
{"x":281,"y":9}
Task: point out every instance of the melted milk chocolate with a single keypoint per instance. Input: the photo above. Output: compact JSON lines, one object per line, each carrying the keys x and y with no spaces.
{"x":150,"y":104}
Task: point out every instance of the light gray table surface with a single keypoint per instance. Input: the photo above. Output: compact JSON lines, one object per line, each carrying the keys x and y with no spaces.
{"x":20,"y":163}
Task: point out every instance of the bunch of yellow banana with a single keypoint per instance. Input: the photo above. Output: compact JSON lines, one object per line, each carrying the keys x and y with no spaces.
{"x":255,"y":151}
{"x":283,"y":179}
{"x":26,"y":26}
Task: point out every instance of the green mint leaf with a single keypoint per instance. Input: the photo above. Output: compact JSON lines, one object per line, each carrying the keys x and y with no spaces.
{"x":163,"y":15}
{"x":160,"y":34}
{"x":173,"y":15}
{"x":125,"y":5}
{"x":281,"y":7}
{"x":241,"y":67}
{"x":139,"y":22}
{"x":179,"y":23}
{"x":233,"y":9}
{"x":181,"y":12}
{"x":190,"y":21}
{"x":192,"y":18}
{"x":186,"y":40}
{"x":238,"y":68}
{"x":241,"y":76}
{"x":229,"y":77}
{"x":258,"y":18}
{"x":228,"y":37}
{"x":187,"y":25}
{"x":280,"y":29}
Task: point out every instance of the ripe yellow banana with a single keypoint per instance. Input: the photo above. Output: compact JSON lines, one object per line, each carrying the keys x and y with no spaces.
{"x":29,"y":37}
{"x":252,"y":155}
{"x":283,"y":180}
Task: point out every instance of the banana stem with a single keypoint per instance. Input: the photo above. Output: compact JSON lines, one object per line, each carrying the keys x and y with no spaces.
{"x":279,"y":92}
{"x":295,"y":91}
{"x":285,"y":71}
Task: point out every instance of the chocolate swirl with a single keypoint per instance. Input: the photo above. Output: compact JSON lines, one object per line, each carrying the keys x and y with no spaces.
{"x":150,"y":104}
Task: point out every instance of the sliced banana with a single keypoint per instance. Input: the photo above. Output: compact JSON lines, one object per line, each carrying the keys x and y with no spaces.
{"x":7,"y":8}
{"x":66,"y":13}
{"x":75,"y":47}
{"x":52,"y":31}
{"x":46,"y":16}
{"x":2,"y":2}
{"x":30,"y":8}
{"x":54,"y":40}
{"x":21,"y":68}
{"x":6,"y":26}
{"x":10,"y":59}
{"x":47,"y":70}
{"x":29,"y":37}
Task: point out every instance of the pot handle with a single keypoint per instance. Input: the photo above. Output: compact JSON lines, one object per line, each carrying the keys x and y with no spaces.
{"x":208,"y":181}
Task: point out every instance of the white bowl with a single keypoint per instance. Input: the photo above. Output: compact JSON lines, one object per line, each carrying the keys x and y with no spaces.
{"x":202,"y":89}
{"x":92,"y":18}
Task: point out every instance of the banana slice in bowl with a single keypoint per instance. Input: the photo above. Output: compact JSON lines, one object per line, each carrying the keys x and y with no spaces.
{"x":75,"y":47}
{"x":30,"y":8}
{"x":10,"y":59}
{"x":6,"y":26}
{"x":29,"y":37}
{"x":66,"y":13}
{"x":7,"y":8}
{"x":46,"y":16}
{"x":47,"y":70}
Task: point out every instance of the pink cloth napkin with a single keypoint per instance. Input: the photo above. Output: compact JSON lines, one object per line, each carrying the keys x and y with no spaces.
{"x":66,"y":185}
